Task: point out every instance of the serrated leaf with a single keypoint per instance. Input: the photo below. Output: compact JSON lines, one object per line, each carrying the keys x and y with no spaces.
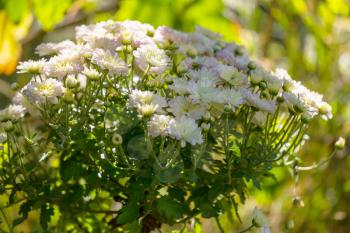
{"x":170,"y":209}
{"x":46,"y":212}
{"x":24,"y":210}
{"x":129,"y":213}
{"x":71,"y":169}
{"x":137,"y":148}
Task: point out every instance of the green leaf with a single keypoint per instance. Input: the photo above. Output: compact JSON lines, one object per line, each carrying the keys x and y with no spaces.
{"x":137,"y":148}
{"x":170,"y":209}
{"x":133,"y":227}
{"x":129,"y":213}
{"x":71,"y":169}
{"x":24,"y":210}
{"x":236,"y":150}
{"x":46,"y":212}
{"x":49,"y":13}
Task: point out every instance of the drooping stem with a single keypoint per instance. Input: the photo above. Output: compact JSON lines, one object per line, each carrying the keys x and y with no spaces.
{"x":219,"y":225}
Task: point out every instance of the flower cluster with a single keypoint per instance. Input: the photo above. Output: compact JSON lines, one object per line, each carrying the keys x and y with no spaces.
{"x":181,"y":101}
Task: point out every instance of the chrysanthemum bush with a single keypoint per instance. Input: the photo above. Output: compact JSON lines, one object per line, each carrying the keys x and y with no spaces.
{"x":130,"y":127}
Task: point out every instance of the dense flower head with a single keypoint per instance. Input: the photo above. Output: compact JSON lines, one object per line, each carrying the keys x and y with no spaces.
{"x":211,"y":73}
{"x":44,"y":91}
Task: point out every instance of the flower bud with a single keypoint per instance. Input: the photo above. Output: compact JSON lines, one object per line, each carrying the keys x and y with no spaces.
{"x":280,"y":99}
{"x":297,"y":108}
{"x":117,"y":139}
{"x":340,"y":143}
{"x":255,"y":78}
{"x":239,"y":52}
{"x":79,"y":95}
{"x":207,"y":116}
{"x":306,"y":117}
{"x":227,"y":109}
{"x":68,"y":96}
{"x":192,"y":52}
{"x":290,"y":225}
{"x":150,"y":33}
{"x":325,"y":109}
{"x":181,"y":68}
{"x":251,"y":65}
{"x":262,"y":85}
{"x":7,"y":126}
{"x":259,"y":219}
{"x":71,"y":82}
{"x":205,"y":126}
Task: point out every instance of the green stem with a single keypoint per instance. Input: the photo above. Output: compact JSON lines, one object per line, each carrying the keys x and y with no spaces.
{"x":219,"y":225}
{"x":298,"y":168}
{"x":124,"y":155}
{"x":227,"y":152}
{"x":247,"y":229}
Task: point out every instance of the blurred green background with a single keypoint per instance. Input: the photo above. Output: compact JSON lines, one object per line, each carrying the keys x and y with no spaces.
{"x":309,"y":38}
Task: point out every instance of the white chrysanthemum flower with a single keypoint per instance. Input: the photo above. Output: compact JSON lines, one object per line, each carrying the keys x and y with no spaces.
{"x":19,"y":99}
{"x":273,"y":83}
{"x":137,"y":27}
{"x":150,"y":57}
{"x":147,"y":110}
{"x":54,"y":48}
{"x":232,"y":98}
{"x":33,"y":67}
{"x":44,"y":91}
{"x":282,"y":74}
{"x":185,"y":130}
{"x":68,"y":62}
{"x":182,"y":106}
{"x":135,"y":33}
{"x":210,"y":63}
{"x":202,"y":93}
{"x":257,"y":75}
{"x":254,"y":100}
{"x":201,"y":43}
{"x":91,"y":73}
{"x":147,"y":102}
{"x":296,"y":103}
{"x":159,"y":125}
{"x":208,"y":33}
{"x":138,"y":97}
{"x":106,"y":61}
{"x":165,"y":36}
{"x":204,"y":77}
{"x":180,"y":86}
{"x":231,"y":75}
{"x":101,"y":35}
{"x":13,"y":113}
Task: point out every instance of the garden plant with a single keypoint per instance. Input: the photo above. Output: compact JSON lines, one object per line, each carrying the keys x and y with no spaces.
{"x":130,"y":127}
